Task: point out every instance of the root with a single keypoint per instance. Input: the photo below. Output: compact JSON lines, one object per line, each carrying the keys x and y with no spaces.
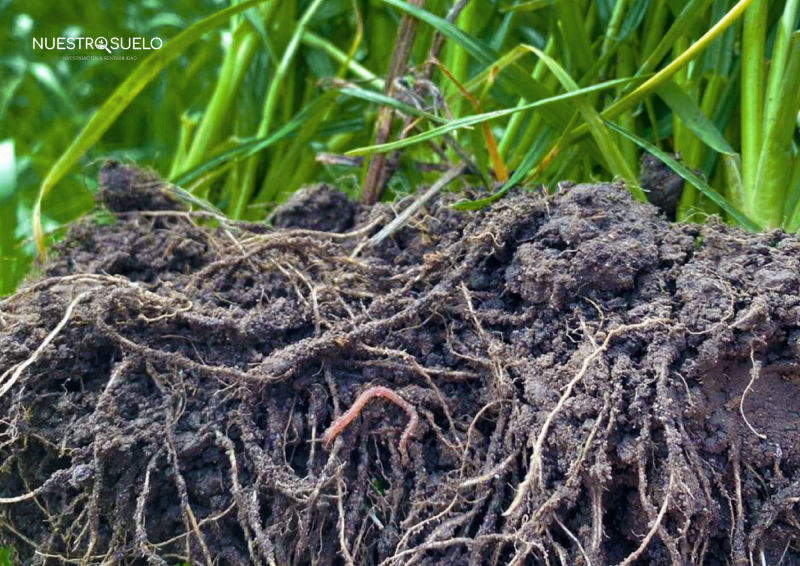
{"x":535,"y":474}
{"x":22,"y":366}
{"x":191,"y":407}
{"x":245,"y":511}
{"x":174,"y":359}
{"x":418,"y":203}
{"x":186,"y":508}
{"x":654,"y":528}
{"x":754,"y":375}
{"x":348,"y":558}
{"x":576,"y":541}
{"x":57,"y":479}
{"x":142,"y":544}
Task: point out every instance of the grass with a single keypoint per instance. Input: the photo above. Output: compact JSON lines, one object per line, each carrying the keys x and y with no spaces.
{"x":243,"y":97}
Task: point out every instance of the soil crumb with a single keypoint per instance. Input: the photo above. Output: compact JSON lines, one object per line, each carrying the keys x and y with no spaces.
{"x":565,"y":380}
{"x":662,"y":185}
{"x":318,"y":207}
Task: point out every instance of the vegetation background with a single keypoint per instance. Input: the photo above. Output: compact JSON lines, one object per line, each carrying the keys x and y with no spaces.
{"x":244,"y":108}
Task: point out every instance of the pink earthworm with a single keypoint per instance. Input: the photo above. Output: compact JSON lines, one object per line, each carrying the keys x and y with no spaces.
{"x":375,"y":391}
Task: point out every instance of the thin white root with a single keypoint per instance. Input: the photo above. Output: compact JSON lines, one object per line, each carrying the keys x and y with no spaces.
{"x":535,"y":467}
{"x":19,"y":498}
{"x":755,"y":373}
{"x":575,"y":540}
{"x":633,"y":556}
{"x":22,"y":366}
{"x":348,"y":558}
{"x":57,"y":477}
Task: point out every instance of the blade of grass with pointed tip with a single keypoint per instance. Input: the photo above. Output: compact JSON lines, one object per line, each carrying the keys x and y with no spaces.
{"x":119,"y":100}
{"x":693,"y":118}
{"x":616,"y":161}
{"x":479,"y":118}
{"x":690,"y":176}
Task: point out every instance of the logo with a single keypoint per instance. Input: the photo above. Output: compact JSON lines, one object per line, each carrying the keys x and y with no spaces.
{"x":109,"y":45}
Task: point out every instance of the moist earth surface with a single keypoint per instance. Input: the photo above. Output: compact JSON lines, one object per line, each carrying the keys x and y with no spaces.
{"x":575,"y":379}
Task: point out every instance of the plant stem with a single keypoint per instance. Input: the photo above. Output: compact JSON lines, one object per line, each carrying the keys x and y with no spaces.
{"x":270,"y":104}
{"x":752,"y":94}
{"x":774,"y":171}
{"x":237,"y":60}
{"x":373,"y":182}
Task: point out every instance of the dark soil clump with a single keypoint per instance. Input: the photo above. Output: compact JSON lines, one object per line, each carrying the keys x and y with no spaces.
{"x":591,"y":385}
{"x":320,"y":207}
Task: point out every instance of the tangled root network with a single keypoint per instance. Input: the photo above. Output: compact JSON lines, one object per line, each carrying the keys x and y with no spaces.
{"x":568,"y":380}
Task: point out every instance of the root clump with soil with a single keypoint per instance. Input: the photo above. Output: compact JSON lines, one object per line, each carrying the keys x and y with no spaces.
{"x":570,"y":380}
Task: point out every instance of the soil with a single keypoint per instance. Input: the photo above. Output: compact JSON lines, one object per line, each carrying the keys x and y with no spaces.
{"x":576,"y":381}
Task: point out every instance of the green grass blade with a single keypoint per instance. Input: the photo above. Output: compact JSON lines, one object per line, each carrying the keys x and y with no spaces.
{"x":734,"y":187}
{"x":792,"y":205}
{"x":206,"y":135}
{"x":313,"y":40}
{"x":532,"y":156}
{"x":780,"y":55}
{"x":754,"y":35}
{"x":690,"y":12}
{"x":616,"y":161}
{"x":693,"y":118}
{"x":119,"y":100}
{"x":665,"y":74}
{"x":576,"y":37}
{"x":529,"y":6}
{"x":47,"y":78}
{"x":633,"y":18}
{"x":247,"y":148}
{"x":475,"y":47}
{"x":480,"y":118}
{"x":515,"y":79}
{"x":775,"y":162}
{"x":276,"y":86}
{"x":689,"y":176}
{"x":295,"y":156}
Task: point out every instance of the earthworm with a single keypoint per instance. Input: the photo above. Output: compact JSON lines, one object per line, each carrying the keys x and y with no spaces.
{"x":375,"y":391}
